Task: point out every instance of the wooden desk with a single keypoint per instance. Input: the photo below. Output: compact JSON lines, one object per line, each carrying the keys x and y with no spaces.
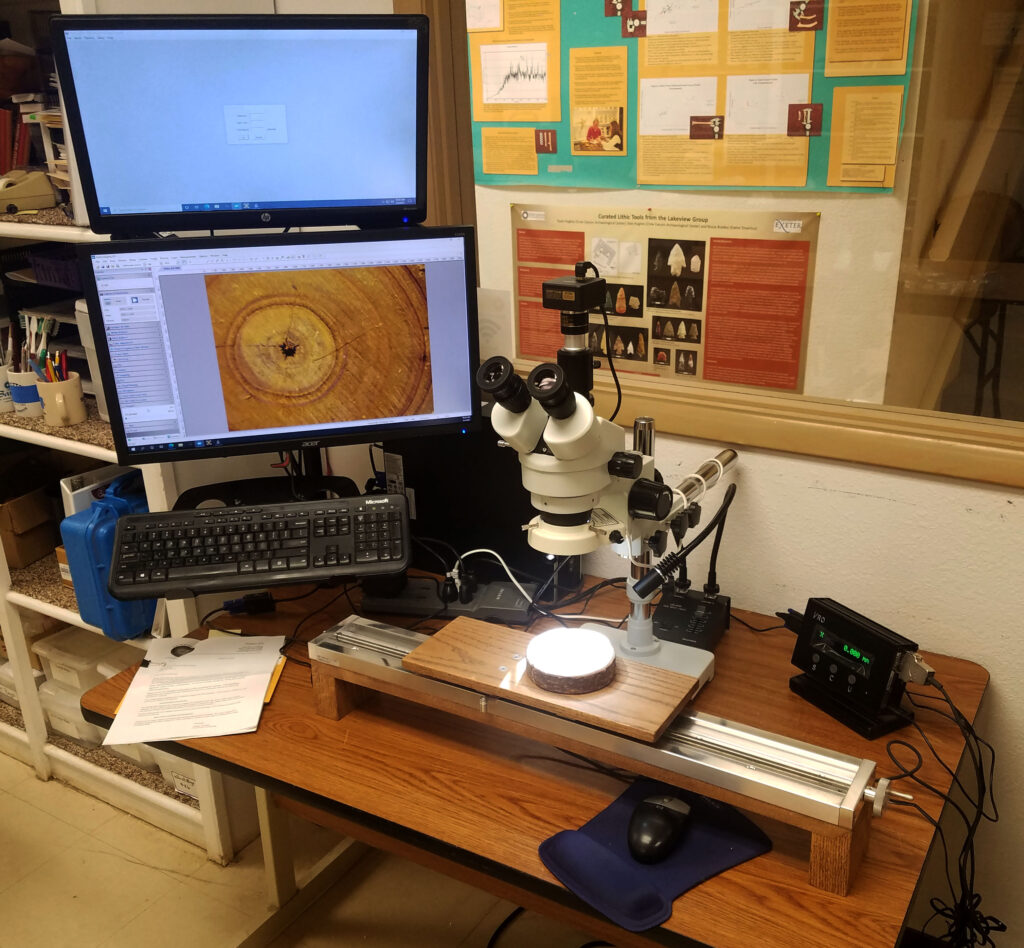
{"x":475,"y":803}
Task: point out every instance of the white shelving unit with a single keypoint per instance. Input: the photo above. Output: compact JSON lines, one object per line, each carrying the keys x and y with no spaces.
{"x":65,"y":233}
{"x":209,"y":825}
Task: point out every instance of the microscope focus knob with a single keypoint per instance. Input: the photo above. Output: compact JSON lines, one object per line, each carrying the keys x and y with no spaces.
{"x":625,"y":464}
{"x":649,"y":500}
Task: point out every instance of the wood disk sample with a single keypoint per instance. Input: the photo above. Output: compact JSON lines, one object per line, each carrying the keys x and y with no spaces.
{"x":571,"y":661}
{"x":318,"y":346}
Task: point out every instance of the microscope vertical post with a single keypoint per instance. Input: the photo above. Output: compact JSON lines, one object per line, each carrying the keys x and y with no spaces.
{"x":640,"y":625}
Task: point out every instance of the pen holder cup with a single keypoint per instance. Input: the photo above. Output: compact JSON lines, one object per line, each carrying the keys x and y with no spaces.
{"x":24,"y":394}
{"x":63,"y":402}
{"x":6,"y":402}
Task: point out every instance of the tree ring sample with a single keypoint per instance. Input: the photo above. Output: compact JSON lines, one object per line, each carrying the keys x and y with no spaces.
{"x":571,"y":661}
{"x":304,"y":347}
{"x":256,"y":356}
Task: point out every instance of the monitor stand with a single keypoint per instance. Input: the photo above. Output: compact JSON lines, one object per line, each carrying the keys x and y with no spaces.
{"x":312,"y":484}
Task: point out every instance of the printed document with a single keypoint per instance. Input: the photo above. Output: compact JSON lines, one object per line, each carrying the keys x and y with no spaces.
{"x":197,"y":688}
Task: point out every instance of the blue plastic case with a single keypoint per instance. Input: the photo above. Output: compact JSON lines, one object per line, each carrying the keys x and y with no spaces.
{"x":89,"y":541}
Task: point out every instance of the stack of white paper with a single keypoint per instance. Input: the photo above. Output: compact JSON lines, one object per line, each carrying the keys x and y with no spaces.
{"x":197,"y":688}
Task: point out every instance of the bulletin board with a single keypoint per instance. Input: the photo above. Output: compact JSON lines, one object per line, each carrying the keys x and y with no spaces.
{"x":694,"y":94}
{"x":720,"y":297}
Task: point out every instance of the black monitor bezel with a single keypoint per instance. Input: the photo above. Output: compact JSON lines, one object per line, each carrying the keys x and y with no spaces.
{"x":129,"y":225}
{"x":268,"y":444}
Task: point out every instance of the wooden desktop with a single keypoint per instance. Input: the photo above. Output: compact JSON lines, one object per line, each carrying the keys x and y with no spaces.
{"x":474,"y":802}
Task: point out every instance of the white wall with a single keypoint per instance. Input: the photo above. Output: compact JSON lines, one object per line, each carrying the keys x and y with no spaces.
{"x":936,"y":559}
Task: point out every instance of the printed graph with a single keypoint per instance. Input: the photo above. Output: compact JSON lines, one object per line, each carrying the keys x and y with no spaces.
{"x":515,"y":72}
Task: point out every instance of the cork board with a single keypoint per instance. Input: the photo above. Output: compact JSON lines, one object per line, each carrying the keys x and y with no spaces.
{"x":640,"y":702}
{"x":305,"y":347}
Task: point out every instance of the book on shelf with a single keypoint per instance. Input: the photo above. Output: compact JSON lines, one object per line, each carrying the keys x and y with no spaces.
{"x":7,"y":119}
{"x":22,"y":145}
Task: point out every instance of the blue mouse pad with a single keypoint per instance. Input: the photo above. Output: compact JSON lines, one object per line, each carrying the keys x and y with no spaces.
{"x":594,"y":861}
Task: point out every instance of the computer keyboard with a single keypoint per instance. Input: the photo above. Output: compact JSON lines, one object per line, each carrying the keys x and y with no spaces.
{"x":185,"y":553}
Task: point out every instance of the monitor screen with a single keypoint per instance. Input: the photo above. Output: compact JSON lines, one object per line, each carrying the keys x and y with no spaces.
{"x":182,"y":123}
{"x":229,"y":345}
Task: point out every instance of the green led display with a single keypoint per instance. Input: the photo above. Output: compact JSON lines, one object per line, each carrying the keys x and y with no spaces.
{"x":856,"y":653}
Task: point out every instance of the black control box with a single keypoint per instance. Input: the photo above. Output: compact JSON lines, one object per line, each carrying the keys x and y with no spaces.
{"x":690,"y":617}
{"x":851,"y":668}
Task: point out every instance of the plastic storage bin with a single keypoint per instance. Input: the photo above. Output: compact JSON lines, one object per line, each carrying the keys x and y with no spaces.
{"x":89,"y":540}
{"x":122,"y":657}
{"x":63,"y":710}
{"x":178,"y":772}
{"x":70,"y":657}
{"x":138,"y":754}
{"x":8,"y":693}
{"x":118,"y":659}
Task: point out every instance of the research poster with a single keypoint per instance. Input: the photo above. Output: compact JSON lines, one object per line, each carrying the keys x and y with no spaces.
{"x":691,"y":298}
{"x":732,"y":94}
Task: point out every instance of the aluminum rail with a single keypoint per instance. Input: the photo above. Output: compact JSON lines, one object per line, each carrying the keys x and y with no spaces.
{"x":801,"y":777}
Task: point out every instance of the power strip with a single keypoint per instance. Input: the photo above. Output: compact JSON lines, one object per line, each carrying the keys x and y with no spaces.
{"x":498,"y":602}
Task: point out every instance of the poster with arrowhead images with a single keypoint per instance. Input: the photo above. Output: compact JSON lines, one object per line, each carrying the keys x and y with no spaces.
{"x":719,"y":297}
{"x":690,"y":94}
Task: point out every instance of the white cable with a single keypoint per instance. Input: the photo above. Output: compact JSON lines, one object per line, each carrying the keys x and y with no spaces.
{"x":581,"y":616}
{"x":505,"y":566}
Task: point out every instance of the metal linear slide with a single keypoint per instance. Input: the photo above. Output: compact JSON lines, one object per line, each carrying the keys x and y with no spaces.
{"x":813,"y":781}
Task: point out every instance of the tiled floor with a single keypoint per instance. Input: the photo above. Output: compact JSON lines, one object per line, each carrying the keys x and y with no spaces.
{"x":75,"y":871}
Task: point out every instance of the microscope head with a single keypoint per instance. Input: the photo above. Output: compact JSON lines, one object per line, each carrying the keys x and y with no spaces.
{"x":564,"y":452}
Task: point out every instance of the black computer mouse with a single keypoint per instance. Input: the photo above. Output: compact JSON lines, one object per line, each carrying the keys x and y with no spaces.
{"x":656,"y":826}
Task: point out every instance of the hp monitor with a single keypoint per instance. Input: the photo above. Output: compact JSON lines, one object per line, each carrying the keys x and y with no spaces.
{"x":235,"y":122}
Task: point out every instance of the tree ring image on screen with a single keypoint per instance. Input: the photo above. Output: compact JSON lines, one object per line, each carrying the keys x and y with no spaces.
{"x":321,"y":346}
{"x":282,"y":348}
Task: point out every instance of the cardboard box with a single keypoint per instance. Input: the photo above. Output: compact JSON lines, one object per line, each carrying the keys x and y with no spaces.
{"x":28,"y":529}
{"x":64,"y":567}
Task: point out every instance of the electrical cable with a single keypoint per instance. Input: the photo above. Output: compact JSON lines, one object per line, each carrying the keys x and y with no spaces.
{"x":291,"y":639}
{"x":966,"y":925}
{"x":373,"y":465}
{"x":668,"y":564}
{"x":711,"y":586}
{"x":500,"y":930}
{"x":304,"y":595}
{"x":223,"y":606}
{"x":586,"y":594}
{"x":211,"y":614}
{"x":587,"y":265}
{"x":754,"y":628}
{"x":581,"y":762}
{"x":611,"y":366}
{"x":447,"y":546}
{"x":444,"y":563}
{"x":515,"y":582}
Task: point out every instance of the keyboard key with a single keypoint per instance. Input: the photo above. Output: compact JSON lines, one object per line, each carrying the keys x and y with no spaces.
{"x":214,"y":569}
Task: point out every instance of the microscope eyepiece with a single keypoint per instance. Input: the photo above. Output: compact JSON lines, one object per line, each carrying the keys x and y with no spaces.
{"x":548,"y":384}
{"x":498,"y":379}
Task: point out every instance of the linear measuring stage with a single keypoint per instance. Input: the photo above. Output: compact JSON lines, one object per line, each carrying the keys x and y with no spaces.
{"x":832,"y":795}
